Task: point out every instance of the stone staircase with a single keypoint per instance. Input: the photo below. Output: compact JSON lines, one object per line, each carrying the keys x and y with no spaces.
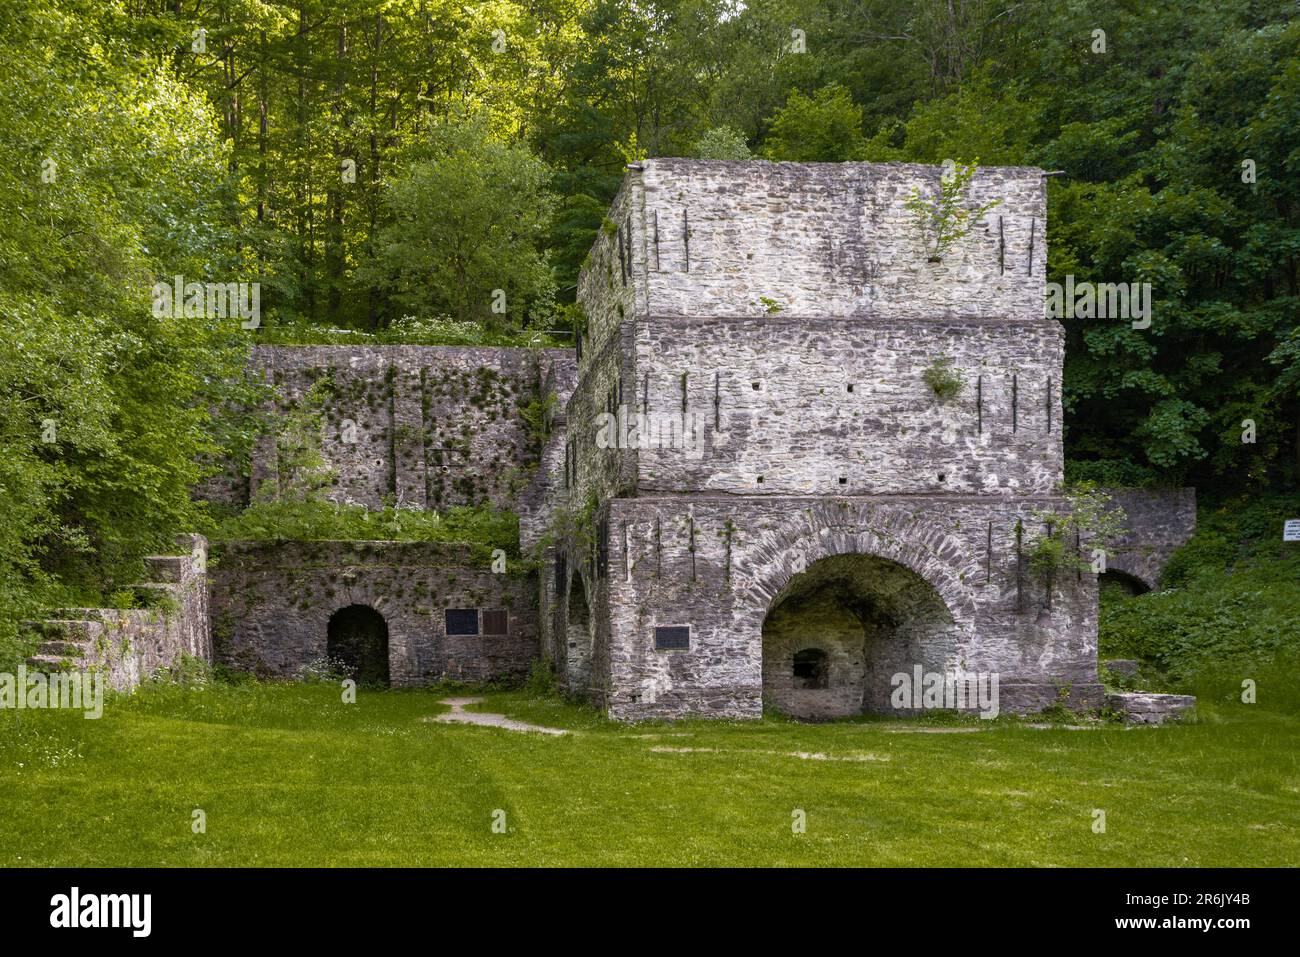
{"x":66,"y":643}
{"x":81,"y":638}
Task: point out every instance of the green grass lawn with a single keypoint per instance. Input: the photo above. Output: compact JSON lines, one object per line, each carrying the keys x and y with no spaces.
{"x":288,"y":775}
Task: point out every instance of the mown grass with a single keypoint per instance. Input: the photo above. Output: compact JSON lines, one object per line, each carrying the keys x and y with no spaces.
{"x":289,"y":775}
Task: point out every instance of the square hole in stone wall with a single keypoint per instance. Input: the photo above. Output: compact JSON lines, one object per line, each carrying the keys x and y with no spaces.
{"x":496,"y":621}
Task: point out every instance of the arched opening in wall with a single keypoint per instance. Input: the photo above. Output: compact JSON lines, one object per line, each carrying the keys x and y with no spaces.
{"x":577,"y":635}
{"x":1116,"y":584}
{"x":358,"y":638}
{"x":838,"y":632}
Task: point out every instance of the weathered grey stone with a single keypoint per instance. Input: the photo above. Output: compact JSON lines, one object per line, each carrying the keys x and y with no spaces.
{"x":130,"y":644}
{"x":826,"y":498}
{"x":1144,"y":707}
{"x":273,"y":601}
{"x":1158,"y":522}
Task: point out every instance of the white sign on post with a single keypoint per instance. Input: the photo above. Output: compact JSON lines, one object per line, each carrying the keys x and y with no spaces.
{"x":1291,"y":530}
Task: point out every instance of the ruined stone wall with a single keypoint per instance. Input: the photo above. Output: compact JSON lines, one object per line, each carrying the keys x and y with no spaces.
{"x":718,"y":565}
{"x":130,"y":645}
{"x":416,"y":426}
{"x":820,"y":388}
{"x":834,"y":239}
{"x":1158,"y":523}
{"x":606,"y":384}
{"x":272,"y":603}
{"x":611,"y":283}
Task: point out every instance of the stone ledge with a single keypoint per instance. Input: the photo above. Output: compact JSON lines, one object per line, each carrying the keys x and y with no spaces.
{"x":1144,"y":707}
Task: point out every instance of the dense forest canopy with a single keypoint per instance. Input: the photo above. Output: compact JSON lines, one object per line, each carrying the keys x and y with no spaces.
{"x":378,"y":164}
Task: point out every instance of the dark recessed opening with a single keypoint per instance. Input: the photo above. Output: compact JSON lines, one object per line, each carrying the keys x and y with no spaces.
{"x":462,"y":621}
{"x":757,"y":386}
{"x":843,"y":480}
{"x":850,"y":386}
{"x":811,"y":668}
{"x":760,"y":480}
{"x":358,"y":637}
{"x":672,"y":637}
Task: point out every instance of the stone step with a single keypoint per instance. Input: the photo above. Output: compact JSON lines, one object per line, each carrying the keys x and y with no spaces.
{"x":83,"y":631}
{"x":62,"y":649}
{"x":1147,"y":707}
{"x":166,"y":568}
{"x":50,"y":663}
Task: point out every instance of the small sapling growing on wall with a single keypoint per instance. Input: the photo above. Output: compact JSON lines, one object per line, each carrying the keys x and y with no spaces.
{"x":944,"y":219}
{"x":945,"y":381}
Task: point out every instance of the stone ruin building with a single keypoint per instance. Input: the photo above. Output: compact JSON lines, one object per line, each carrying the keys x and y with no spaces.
{"x":745,"y":483}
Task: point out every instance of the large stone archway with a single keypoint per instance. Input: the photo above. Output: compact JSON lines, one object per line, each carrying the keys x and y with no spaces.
{"x":838,"y":632}
{"x":825,"y":530}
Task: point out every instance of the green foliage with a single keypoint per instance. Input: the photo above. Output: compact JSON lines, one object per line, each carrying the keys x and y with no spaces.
{"x":1090,"y":522}
{"x":722,"y":143}
{"x":326,"y":521}
{"x":825,"y":127}
{"x":945,"y":381}
{"x":1228,"y":607}
{"x":468,"y":215}
{"x":302,"y":472}
{"x":536,"y":413}
{"x":118,"y":180}
{"x":943,"y":220}
{"x":541,"y":680}
{"x":412,"y":331}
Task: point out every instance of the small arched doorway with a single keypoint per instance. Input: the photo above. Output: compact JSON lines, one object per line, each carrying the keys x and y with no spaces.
{"x":358,"y":638}
{"x":839,"y":631}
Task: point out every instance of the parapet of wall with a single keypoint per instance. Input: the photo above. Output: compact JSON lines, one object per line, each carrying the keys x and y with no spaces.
{"x":415,"y":426}
{"x":272,"y":603}
{"x":131,"y":644}
{"x":1158,"y":523}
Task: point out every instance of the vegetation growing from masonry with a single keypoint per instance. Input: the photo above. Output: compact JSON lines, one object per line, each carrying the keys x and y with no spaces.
{"x":1071,"y":537}
{"x":944,"y":381}
{"x":326,"y":521}
{"x":944,"y":219}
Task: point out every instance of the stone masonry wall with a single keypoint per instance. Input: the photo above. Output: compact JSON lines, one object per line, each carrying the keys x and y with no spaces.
{"x":840,"y":406}
{"x":131,"y":644}
{"x":716,"y":238}
{"x":1159,"y":522}
{"x":718,"y":566}
{"x":272,"y":603}
{"x":416,"y":426}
